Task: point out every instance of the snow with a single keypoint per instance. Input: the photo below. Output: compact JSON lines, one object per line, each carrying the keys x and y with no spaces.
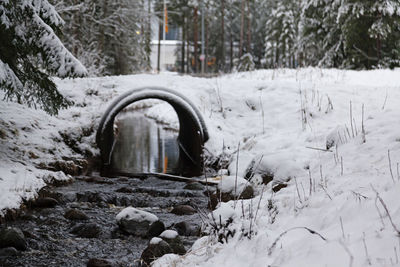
{"x":286,"y":135}
{"x":155,"y":240}
{"x":169,"y":234}
{"x":229,"y":184}
{"x":134,"y":214}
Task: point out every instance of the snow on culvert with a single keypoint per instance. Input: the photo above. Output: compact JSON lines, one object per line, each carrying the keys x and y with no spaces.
{"x":134,"y":214}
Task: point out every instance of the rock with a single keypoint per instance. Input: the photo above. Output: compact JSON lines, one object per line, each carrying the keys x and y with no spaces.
{"x":267,"y":178}
{"x":45,"y":202}
{"x":194,"y":186}
{"x":125,"y":190}
{"x":98,"y":180}
{"x":174,"y":241}
{"x":138,"y":222}
{"x":254,"y":170}
{"x":183,"y":210}
{"x":94,"y":262}
{"x":73,"y":214}
{"x":247,"y":193}
{"x":68,"y":167}
{"x":156,"y":248}
{"x":217,"y":196}
{"x":12,"y":237}
{"x":156,"y":228}
{"x":7,"y":252}
{"x":89,"y":230}
{"x":184,"y":228}
{"x":278,"y":187}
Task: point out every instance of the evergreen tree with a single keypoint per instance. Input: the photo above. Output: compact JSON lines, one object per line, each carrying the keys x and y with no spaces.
{"x":321,"y":41}
{"x":30,"y":51}
{"x":371,"y":33}
{"x":282,"y":33}
{"x":110,"y":37}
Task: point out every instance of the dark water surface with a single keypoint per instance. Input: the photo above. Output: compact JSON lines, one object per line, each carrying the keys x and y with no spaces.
{"x":143,"y":146}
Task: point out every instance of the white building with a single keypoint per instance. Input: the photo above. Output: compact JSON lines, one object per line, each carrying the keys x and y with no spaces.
{"x":168,"y":47}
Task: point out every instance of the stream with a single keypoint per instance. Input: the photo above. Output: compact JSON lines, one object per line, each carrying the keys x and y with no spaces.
{"x":53,"y":238}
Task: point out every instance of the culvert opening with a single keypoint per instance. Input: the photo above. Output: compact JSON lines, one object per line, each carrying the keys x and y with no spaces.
{"x":144,"y":145}
{"x":191,"y":137}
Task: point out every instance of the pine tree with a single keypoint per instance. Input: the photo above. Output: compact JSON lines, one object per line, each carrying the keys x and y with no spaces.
{"x":321,"y":40}
{"x":30,"y":51}
{"x":371,"y":30}
{"x":282,"y":33}
{"x":110,"y":37}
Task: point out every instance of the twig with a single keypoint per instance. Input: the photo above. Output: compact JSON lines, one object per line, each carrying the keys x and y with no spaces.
{"x":259,"y":202}
{"x":271,"y":248}
{"x":348,"y":252}
{"x":366,"y":250}
{"x":237,"y":168}
{"x":309,"y":175}
{"x":397,"y":170}
{"x":341,"y":226}
{"x":323,"y":188}
{"x":384,"y":103}
{"x":319,"y":149}
{"x":387,"y":211}
{"x":351,"y":119}
{"x":390,"y":166}
{"x":297,"y":189}
{"x":262,"y":113}
{"x":362,"y":125}
{"x":341,"y":166}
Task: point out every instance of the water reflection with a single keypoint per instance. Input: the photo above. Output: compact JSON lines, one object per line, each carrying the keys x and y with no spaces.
{"x":142,"y":145}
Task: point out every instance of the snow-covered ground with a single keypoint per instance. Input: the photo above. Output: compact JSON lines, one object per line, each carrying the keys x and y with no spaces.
{"x":340,"y":207}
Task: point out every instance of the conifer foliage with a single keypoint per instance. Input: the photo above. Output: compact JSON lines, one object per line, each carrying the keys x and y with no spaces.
{"x":30,"y":51}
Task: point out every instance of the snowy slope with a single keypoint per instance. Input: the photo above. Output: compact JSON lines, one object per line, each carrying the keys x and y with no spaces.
{"x":281,"y":119}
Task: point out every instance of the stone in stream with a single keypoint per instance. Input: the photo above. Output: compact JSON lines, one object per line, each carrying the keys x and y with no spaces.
{"x":139,"y":223}
{"x":194,"y":186}
{"x":12,"y":237}
{"x":94,"y":262}
{"x":7,"y":252}
{"x":73,"y":214}
{"x":174,"y":241}
{"x":45,"y":202}
{"x":186,"y":229}
{"x":124,"y":190}
{"x":156,"y":248}
{"x":183,"y":210}
{"x":89,"y":230}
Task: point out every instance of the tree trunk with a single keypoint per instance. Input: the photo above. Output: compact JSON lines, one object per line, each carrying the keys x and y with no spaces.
{"x":183,"y":46}
{"x":223,"y":35}
{"x":160,"y":28}
{"x":241,"y":29}
{"x":248,"y":27}
{"x":231,"y":39}
{"x":206,"y":47}
{"x":195,"y":37}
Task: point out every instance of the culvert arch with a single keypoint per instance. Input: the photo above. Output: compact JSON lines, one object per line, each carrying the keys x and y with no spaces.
{"x":192,"y":129}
